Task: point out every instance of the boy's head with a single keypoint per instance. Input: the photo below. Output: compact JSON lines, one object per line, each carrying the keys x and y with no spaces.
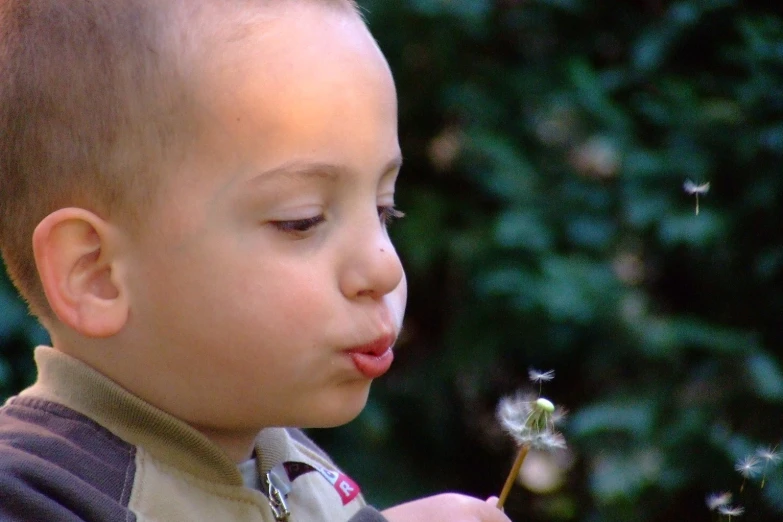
{"x":205,"y":185}
{"x":97,"y":99}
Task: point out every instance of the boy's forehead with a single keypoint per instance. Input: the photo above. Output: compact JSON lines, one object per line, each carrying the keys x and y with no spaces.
{"x":303,"y":66}
{"x":303,"y":38}
{"x":301,"y":74}
{"x":223,"y":36}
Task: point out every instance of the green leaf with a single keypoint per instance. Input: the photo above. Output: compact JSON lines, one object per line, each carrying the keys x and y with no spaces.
{"x":702,"y":230}
{"x":594,"y":97}
{"x":634,"y":418}
{"x":664,"y":337}
{"x":462,"y":8}
{"x":571,"y":285}
{"x":13,"y":313}
{"x":591,"y":232}
{"x":498,"y":165}
{"x":523,"y":229}
{"x":766,"y":378}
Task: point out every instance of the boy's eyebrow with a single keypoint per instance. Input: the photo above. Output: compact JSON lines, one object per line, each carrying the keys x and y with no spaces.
{"x":328,"y":171}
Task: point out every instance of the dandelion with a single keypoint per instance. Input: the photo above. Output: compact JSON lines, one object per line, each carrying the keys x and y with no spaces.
{"x":531,"y":423}
{"x":769,"y":455}
{"x":693,"y":189}
{"x":748,"y":467}
{"x":718,"y":500}
{"x":731,"y":511}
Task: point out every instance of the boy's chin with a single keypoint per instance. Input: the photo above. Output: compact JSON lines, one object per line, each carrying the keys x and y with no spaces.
{"x":341,"y":413}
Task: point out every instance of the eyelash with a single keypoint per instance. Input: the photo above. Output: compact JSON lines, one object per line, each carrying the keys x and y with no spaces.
{"x":387,"y":214}
{"x":298,"y":226}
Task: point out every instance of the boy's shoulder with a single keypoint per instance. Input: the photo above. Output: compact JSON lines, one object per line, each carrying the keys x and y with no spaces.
{"x":56,"y":464}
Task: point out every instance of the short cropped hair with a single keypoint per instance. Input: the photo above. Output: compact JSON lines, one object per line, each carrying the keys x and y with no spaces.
{"x":96,"y":96}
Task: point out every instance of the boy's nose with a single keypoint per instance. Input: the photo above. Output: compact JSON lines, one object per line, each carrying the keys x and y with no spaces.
{"x":373,"y":268}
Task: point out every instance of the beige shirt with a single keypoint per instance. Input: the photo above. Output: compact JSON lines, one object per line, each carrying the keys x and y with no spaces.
{"x":180,"y":475}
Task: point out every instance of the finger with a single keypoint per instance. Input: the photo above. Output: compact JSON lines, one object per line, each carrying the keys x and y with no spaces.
{"x":493,"y":501}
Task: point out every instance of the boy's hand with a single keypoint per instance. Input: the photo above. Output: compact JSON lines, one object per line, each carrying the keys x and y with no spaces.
{"x":448,"y":507}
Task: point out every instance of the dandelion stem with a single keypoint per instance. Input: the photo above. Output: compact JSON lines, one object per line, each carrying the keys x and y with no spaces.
{"x":512,"y":476}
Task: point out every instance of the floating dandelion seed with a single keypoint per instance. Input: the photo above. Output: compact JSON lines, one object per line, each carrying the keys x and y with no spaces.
{"x":769,"y":455}
{"x":537,"y":376}
{"x":717,"y":500}
{"x":748,"y":467}
{"x":540,"y":377}
{"x":693,"y":189}
{"x":731,"y":511}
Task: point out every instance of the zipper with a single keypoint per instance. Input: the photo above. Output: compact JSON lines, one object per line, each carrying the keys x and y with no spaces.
{"x":276,"y":499}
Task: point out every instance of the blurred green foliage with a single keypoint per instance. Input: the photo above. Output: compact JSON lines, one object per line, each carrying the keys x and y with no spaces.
{"x":546,"y":144}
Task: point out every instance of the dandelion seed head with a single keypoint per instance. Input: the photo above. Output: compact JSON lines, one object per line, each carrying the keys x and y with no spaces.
{"x":731,"y":511}
{"x":544,"y":405}
{"x":537,"y":376}
{"x":716,"y":500}
{"x":692,"y":188}
{"x":558,"y":415}
{"x":547,"y":440}
{"x":529,"y":421}
{"x":748,"y":467}
{"x":513,"y":411}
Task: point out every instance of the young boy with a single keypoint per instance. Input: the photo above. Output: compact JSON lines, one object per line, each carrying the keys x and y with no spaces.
{"x":194,"y":199}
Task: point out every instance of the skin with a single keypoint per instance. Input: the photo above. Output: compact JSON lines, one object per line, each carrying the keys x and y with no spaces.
{"x":266,"y":258}
{"x":267,"y":255}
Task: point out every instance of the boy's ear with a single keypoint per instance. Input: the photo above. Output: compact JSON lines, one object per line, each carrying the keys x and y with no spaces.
{"x":76,"y":253}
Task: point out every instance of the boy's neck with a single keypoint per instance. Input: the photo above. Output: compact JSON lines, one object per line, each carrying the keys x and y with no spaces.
{"x":238,"y":445}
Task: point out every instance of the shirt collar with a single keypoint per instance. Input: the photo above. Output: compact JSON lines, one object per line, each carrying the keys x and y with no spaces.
{"x":66,"y":380}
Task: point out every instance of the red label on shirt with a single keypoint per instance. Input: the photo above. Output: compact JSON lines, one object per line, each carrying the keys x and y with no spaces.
{"x":342,"y":483}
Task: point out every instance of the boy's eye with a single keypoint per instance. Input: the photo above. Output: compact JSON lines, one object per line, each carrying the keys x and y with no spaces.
{"x":298,"y":225}
{"x":389,"y":214}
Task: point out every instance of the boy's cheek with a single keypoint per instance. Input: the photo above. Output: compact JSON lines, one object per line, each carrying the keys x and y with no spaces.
{"x":400,"y":301}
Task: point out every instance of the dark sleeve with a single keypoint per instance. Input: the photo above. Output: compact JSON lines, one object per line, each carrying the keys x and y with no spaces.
{"x":56,"y":465}
{"x":368,"y":514}
{"x":21,"y":502}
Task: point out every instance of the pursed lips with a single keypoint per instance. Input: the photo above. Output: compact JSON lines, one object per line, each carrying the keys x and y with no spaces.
{"x":374,"y":358}
{"x":377,"y":347}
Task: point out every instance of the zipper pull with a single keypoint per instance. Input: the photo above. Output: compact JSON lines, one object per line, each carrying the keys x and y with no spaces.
{"x":276,"y":498}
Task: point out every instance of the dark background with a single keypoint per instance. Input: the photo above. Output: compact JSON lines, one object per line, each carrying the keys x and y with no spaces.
{"x":546,"y":145}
